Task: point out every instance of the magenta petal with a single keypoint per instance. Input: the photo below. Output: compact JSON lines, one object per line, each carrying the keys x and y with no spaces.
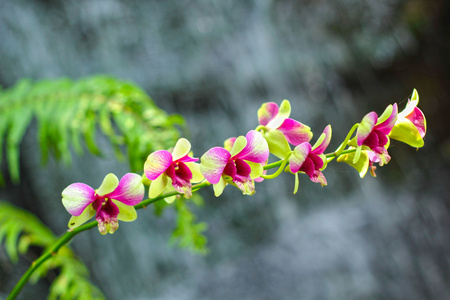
{"x":382,"y":138}
{"x":230,"y":169}
{"x":308,"y":167}
{"x":295,"y":132}
{"x":267,"y":112}
{"x":183,"y":172}
{"x":319,"y":149}
{"x":365,"y":127}
{"x":298,"y":156}
{"x":130,"y":190}
{"x":318,"y":162}
{"x":157,"y":163}
{"x":256,"y":150}
{"x":386,"y":126}
{"x":242,"y":168}
{"x":213,"y":162}
{"x":186,"y":159}
{"x":418,"y":119}
{"x":76,"y":197}
{"x":372,"y":140}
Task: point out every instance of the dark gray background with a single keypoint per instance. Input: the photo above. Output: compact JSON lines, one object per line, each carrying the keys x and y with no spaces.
{"x":216,"y":62}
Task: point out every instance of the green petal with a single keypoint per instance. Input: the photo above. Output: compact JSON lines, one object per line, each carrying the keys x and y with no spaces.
{"x":88,"y":213}
{"x":361,"y":165}
{"x":405,"y":131}
{"x":157,"y":186}
{"x":109,"y":184}
{"x":386,"y":114}
{"x":257,"y":169}
{"x":278,"y":144}
{"x":181,"y":149}
{"x":219,"y":187}
{"x":239,"y":145}
{"x":283,"y":113}
{"x":126,"y":213}
{"x":296,"y":183}
{"x":197,"y":176}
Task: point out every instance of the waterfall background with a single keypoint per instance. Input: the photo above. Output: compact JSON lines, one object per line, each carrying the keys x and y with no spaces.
{"x":215,"y":62}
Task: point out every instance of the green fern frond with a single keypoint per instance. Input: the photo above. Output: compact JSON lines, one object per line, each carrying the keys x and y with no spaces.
{"x":20,"y":229}
{"x":188,"y":233}
{"x":69,"y":113}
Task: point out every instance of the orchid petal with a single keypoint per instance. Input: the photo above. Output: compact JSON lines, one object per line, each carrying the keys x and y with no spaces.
{"x":365,"y":127}
{"x":323,"y":141}
{"x":239,"y":144}
{"x":126,"y":213}
{"x":418,"y":119}
{"x":256,"y":149}
{"x":213,"y":163}
{"x":387,"y":119}
{"x":412,"y":103}
{"x":130,"y":190}
{"x":318,"y":177}
{"x":298,"y":156}
{"x":283,"y":113}
{"x":267,"y":112}
{"x":181,"y":149}
{"x":245,"y":184}
{"x":256,"y":169}
{"x":406,"y":132}
{"x":187,"y":158}
{"x":295,"y":132}
{"x":157,"y":186}
{"x":157,"y":163}
{"x":361,"y":165}
{"x":278,"y":144}
{"x":296,"y":183}
{"x":109,"y":184}
{"x":228,"y":144}
{"x":76,"y":221}
{"x":219,"y":186}
{"x":197,"y":176}
{"x":76,"y":197}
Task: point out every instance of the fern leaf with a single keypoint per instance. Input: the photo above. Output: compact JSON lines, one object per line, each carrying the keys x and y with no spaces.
{"x":72,"y":113}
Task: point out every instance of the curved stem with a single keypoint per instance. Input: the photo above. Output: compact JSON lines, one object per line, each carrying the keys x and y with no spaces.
{"x":278,"y":172}
{"x":50,"y":253}
{"x":63,"y":240}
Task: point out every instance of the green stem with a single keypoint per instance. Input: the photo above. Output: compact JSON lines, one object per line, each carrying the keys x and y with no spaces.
{"x":50,"y":253}
{"x":71,"y":233}
{"x":278,"y":172}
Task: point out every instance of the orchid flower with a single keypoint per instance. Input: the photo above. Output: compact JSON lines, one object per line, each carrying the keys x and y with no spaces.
{"x":372,"y":134}
{"x":112,"y":201}
{"x":240,"y":164}
{"x":411,"y":124}
{"x":280,"y":130}
{"x":310,"y":159}
{"x":172,"y":169}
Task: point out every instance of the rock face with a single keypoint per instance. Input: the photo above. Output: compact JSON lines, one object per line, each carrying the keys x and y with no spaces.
{"x":216,"y":63}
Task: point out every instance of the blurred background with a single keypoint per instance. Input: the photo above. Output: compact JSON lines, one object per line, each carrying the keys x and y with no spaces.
{"x":216,"y":62}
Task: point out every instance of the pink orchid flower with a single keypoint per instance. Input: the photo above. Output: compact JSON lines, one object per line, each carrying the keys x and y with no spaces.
{"x":411,"y":125}
{"x":112,"y":201}
{"x":172,"y":169}
{"x":240,"y":165}
{"x":372,"y":134}
{"x":310,"y":159}
{"x":280,"y":130}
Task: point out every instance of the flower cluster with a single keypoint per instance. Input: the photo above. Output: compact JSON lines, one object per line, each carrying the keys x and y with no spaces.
{"x":244,"y":160}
